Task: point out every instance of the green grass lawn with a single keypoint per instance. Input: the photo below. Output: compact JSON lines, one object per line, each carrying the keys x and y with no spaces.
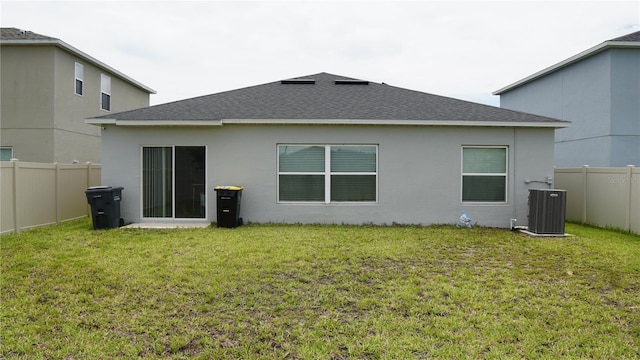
{"x":318,"y":292}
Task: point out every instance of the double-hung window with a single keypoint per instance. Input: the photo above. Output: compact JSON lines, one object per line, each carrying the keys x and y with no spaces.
{"x":79,"y":84}
{"x":327,"y":173}
{"x":105,"y":92}
{"x":484,"y":174}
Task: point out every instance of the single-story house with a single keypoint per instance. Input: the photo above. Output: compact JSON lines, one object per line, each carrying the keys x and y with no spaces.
{"x":325,"y":148}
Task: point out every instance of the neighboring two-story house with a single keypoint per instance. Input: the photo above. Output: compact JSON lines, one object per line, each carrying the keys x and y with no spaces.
{"x":48,"y":89}
{"x":598,"y":90}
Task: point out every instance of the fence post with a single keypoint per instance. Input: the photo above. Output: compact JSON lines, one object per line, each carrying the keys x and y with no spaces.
{"x":585,"y":169}
{"x":16,"y":222}
{"x":627,"y":220}
{"x":88,"y":185}
{"x":57,"y":194}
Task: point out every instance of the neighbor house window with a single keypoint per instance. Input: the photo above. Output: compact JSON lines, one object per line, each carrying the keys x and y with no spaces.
{"x":484,"y":174}
{"x":79,"y":79}
{"x":6,"y":153}
{"x":105,"y":92}
{"x":327,"y":173}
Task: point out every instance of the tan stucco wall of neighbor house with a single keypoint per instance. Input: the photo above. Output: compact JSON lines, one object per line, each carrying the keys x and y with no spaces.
{"x":73,"y":138}
{"x":42,"y":118}
{"x":419,"y":169}
{"x":27,"y":109}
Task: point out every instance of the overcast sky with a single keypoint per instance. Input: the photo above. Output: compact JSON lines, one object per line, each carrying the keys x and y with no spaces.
{"x":462,"y":49}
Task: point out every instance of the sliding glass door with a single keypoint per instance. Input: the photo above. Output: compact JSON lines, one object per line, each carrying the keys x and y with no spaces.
{"x":173,"y":182}
{"x":157,"y":182}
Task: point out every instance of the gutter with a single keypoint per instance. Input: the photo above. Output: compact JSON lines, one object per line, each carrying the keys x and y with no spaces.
{"x":395,"y":122}
{"x":530,"y":124}
{"x":116,"y":122}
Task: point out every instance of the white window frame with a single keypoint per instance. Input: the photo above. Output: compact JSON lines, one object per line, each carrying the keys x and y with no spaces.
{"x":327,"y":173}
{"x":105,"y":89}
{"x":505,"y":174}
{"x":78,"y":76}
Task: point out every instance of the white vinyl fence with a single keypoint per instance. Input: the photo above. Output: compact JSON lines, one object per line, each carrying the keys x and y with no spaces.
{"x":602,"y":196}
{"x":37,"y":194}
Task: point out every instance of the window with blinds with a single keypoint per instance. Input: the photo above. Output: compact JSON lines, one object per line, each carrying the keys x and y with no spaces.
{"x":105,"y":92}
{"x":157,"y":182}
{"x":327,"y":173}
{"x":484,"y":174}
{"x":79,"y":79}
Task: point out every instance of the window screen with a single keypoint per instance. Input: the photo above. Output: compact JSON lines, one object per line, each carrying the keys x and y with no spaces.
{"x":327,"y":173}
{"x":484,"y":174}
{"x":301,"y":171}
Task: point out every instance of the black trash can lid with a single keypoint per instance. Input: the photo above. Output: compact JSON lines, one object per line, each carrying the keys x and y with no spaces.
{"x":103,"y":188}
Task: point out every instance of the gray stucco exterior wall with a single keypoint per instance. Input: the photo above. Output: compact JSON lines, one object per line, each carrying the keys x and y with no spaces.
{"x":599,"y":95}
{"x":625,"y":107}
{"x":419,"y":169}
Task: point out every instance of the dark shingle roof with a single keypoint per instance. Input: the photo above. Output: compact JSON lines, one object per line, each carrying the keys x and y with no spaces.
{"x":633,"y":37}
{"x":18,"y":34}
{"x":326,"y":100}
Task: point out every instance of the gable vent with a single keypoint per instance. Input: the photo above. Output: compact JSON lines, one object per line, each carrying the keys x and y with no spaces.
{"x":352,"y":82}
{"x":298,"y":81}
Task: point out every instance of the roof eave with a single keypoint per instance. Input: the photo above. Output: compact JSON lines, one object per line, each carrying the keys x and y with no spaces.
{"x":578,"y":57}
{"x":390,"y":122}
{"x":394,"y":122}
{"x":106,"y":121}
{"x":83,"y":55}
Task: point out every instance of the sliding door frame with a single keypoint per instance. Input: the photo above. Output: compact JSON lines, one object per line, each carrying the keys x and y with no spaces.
{"x":173,"y":185}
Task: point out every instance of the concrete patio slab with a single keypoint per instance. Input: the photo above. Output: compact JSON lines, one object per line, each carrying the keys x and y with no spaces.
{"x":161,"y":225}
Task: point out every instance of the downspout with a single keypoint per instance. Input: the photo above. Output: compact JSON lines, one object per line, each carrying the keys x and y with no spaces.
{"x":585,"y":173}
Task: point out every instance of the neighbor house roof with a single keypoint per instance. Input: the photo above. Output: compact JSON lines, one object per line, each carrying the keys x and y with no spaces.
{"x":629,"y":41}
{"x":633,"y":37}
{"x":13,"y":36}
{"x":325,"y":99}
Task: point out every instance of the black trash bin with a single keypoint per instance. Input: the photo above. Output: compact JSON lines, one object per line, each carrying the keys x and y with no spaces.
{"x":228,"y":206}
{"x":105,"y":206}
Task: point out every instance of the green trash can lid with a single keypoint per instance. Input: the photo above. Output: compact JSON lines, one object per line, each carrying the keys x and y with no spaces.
{"x":228,"y":187}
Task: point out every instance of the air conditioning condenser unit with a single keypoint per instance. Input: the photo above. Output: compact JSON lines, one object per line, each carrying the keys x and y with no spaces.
{"x":547,"y":209}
